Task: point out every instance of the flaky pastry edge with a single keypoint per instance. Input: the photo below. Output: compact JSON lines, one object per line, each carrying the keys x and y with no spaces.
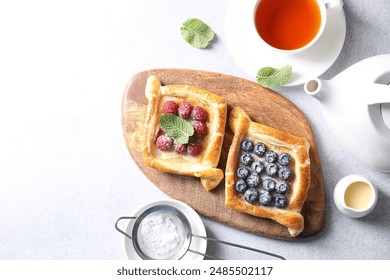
{"x":205,"y":169}
{"x":241,"y":125}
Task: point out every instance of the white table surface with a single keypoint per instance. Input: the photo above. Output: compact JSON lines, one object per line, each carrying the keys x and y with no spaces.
{"x":65,"y":173}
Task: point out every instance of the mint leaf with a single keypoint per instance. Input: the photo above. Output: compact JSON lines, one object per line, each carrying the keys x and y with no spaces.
{"x":197,"y":33}
{"x":176,"y":127}
{"x":272,"y":78}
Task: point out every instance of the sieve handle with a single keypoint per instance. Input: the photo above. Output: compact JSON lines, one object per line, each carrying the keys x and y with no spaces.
{"x":204,"y":255}
{"x":238,"y":246}
{"x":121,"y":231}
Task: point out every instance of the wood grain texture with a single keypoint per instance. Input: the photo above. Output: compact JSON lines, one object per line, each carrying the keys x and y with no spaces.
{"x":263,"y":106}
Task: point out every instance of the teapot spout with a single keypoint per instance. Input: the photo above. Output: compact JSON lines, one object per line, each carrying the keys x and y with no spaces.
{"x":366,"y":93}
{"x":315,"y":88}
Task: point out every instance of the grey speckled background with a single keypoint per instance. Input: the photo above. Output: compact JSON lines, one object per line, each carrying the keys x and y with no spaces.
{"x":66,"y":176}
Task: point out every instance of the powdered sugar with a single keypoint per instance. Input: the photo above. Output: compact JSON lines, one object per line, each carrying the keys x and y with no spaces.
{"x":161,"y":235}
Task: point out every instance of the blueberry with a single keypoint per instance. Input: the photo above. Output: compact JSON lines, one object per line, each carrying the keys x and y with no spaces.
{"x":284,"y":159}
{"x":242,"y":172}
{"x":246,"y":159}
{"x":241,"y":186}
{"x":285,"y":173}
{"x":247,"y":145}
{"x":271,"y":169}
{"x":271,"y":156}
{"x":269,"y":184}
{"x":258,"y":167}
{"x":253,"y":180}
{"x":280,"y":200}
{"x":281,"y":187}
{"x":265,"y":198}
{"x":251,"y":195}
{"x":259,"y":149}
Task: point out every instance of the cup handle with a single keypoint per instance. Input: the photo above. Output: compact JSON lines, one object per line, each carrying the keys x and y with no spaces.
{"x":331,"y":4}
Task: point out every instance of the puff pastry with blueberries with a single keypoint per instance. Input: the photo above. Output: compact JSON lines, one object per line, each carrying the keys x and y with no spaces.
{"x":267,"y":172}
{"x":204,"y":111}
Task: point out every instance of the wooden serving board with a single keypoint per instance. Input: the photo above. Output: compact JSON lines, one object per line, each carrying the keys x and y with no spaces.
{"x":263,"y":106}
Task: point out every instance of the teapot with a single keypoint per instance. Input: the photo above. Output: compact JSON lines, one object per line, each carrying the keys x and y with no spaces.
{"x":356,"y":106}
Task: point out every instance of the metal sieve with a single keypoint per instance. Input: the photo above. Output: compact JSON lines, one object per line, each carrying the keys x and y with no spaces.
{"x":187,"y":235}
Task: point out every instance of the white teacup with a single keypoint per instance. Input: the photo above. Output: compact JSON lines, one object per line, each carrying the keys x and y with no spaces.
{"x":260,"y":8}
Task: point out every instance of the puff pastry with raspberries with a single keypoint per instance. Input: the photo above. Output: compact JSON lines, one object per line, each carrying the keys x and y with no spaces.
{"x":267,"y":172}
{"x":205,"y":111}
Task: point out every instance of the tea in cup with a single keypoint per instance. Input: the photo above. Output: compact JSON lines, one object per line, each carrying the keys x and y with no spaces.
{"x":291,"y":26}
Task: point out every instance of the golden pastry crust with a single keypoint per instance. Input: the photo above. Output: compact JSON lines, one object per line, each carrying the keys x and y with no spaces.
{"x":279,"y":141}
{"x":203,"y":165}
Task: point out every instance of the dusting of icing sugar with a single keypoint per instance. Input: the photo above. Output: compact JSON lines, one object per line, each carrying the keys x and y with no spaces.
{"x":161,"y":235}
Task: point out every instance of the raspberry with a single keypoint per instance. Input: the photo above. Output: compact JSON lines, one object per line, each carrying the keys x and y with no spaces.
{"x":180,"y":148}
{"x":199,"y":114}
{"x":194,"y":149}
{"x":185,"y":110}
{"x":164,"y":142}
{"x":200,"y":128}
{"x":170,"y":107}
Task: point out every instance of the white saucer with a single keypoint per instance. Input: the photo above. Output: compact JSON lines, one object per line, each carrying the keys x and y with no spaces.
{"x":196,"y":223}
{"x":251,"y":54}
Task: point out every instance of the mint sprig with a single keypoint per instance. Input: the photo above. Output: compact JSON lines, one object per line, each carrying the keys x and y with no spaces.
{"x":197,"y":33}
{"x":176,"y":127}
{"x":273,"y":78}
